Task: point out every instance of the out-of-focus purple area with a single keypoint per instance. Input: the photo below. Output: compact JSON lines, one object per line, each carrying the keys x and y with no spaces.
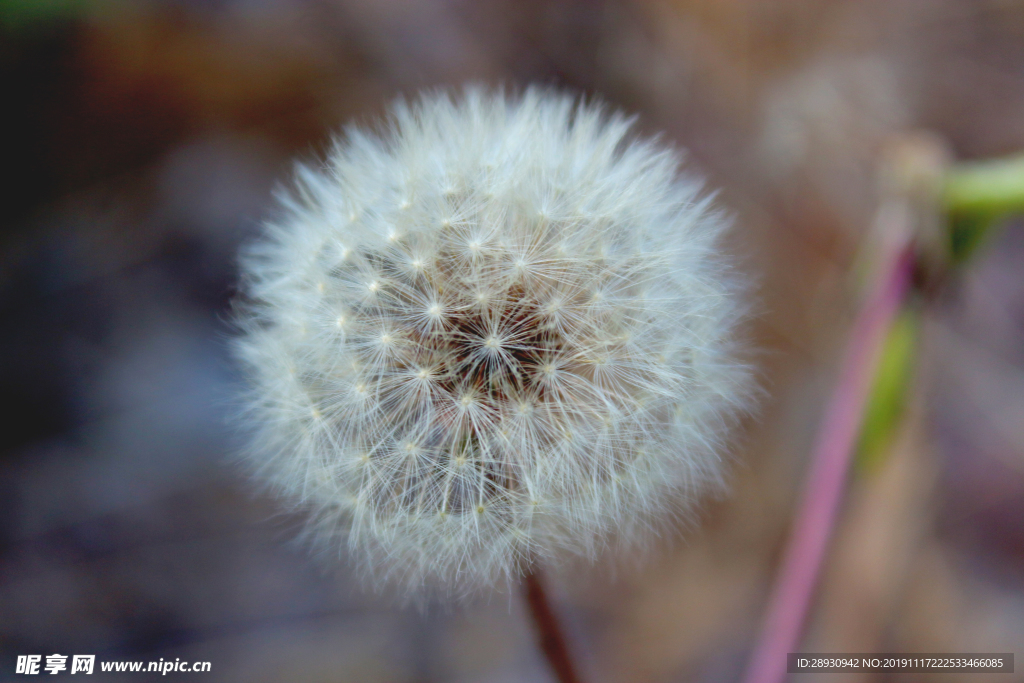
{"x":142,"y":142}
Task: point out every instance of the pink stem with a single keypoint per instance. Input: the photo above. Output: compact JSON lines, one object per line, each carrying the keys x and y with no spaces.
{"x":791,"y":596}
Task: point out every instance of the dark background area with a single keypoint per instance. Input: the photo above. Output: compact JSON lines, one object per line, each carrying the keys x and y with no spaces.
{"x":142,"y":141}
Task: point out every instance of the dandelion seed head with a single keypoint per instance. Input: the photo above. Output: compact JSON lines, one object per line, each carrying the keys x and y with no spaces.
{"x":500,"y":331}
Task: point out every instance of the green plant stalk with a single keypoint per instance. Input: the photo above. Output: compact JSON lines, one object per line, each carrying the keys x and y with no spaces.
{"x":976,"y":195}
{"x":888,"y":396}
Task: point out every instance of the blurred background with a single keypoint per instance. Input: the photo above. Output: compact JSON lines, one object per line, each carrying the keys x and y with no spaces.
{"x":144,"y":138}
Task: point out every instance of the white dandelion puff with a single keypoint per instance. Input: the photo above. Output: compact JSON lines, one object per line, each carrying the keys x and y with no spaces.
{"x":500,"y":331}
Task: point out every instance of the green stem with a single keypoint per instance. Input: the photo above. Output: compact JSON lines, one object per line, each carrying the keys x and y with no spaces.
{"x":976,"y":195}
{"x":992,"y":186}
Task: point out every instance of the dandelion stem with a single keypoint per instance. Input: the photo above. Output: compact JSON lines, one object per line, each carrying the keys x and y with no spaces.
{"x":550,"y":636}
{"x":830,"y":462}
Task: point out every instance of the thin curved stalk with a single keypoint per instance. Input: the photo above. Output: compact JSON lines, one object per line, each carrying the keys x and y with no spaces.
{"x":830,"y":463}
{"x":550,"y":635}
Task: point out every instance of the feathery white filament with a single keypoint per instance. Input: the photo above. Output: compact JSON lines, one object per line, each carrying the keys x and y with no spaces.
{"x":497,"y":331}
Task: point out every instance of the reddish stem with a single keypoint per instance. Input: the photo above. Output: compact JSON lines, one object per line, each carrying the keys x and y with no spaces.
{"x":549,"y":631}
{"x":791,"y":596}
